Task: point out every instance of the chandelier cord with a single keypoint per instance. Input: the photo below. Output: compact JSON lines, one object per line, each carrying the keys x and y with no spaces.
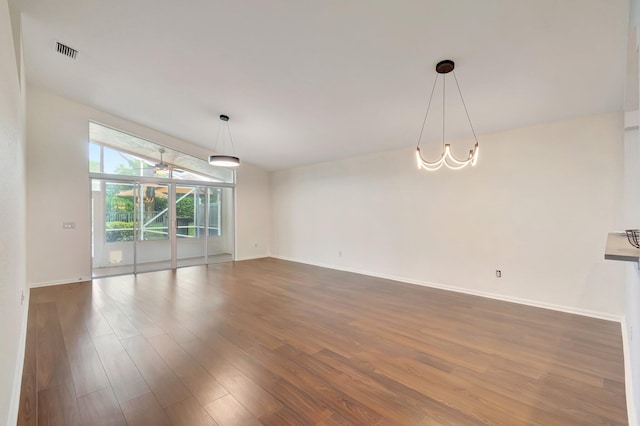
{"x":225,"y":125}
{"x":215,"y":147}
{"x":444,"y":81}
{"x":428,"y":108}
{"x":465,"y":107}
{"x":233,"y":148}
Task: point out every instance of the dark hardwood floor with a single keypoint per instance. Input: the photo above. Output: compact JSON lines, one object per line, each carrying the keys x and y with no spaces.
{"x":279,"y":343}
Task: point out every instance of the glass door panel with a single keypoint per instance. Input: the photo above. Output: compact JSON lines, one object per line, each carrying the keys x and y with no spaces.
{"x":147,"y":226}
{"x":153,"y":248}
{"x":113,"y":227}
{"x":220,"y":238}
{"x":190,"y":225}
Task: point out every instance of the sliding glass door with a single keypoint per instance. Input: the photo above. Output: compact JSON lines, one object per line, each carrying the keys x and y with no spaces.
{"x":190,"y":224}
{"x":153,"y":231}
{"x":204,"y":224}
{"x":113,"y":227}
{"x":141,"y":226}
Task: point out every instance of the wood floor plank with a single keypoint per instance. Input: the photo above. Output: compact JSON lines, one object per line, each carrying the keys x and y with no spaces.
{"x":305,"y":407}
{"x":50,"y":410}
{"x":101,"y":408}
{"x":119,"y":323}
{"x":52,"y":363}
{"x":366,"y":390}
{"x":130,"y":320}
{"x":189,"y":413}
{"x":244,"y":363}
{"x":204,"y":387}
{"x":227,"y":411}
{"x":27,"y":414}
{"x":57,"y":401}
{"x":164,"y":383}
{"x":144,"y":324}
{"x":306,"y":378}
{"x":96,"y":324}
{"x":282,"y":417}
{"x":145,"y":410}
{"x":246,"y":391}
{"x":86,"y":367}
{"x":125,"y":379}
{"x":337,"y":420}
{"x":282,"y":343}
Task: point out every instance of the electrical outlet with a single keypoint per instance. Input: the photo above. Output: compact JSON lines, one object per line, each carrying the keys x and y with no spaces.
{"x":255,"y":245}
{"x":340,"y":253}
{"x":68,"y":225}
{"x":498,"y":273}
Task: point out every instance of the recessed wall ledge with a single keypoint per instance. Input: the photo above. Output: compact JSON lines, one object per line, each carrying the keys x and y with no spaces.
{"x":618,"y":248}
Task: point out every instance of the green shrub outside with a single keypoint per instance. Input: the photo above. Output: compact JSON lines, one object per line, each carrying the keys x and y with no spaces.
{"x":125,"y":234}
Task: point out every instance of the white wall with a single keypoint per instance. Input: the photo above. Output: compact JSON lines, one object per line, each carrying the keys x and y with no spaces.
{"x":631,"y":217}
{"x":12,"y":213}
{"x":253,"y":212}
{"x":58,"y":188}
{"x":538,"y":206}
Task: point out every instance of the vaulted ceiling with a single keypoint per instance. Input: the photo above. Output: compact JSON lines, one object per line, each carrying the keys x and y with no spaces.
{"x":306,"y":81}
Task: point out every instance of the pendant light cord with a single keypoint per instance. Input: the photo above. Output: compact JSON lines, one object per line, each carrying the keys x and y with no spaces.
{"x":427,"y":113}
{"x":215,"y":147}
{"x":221,"y":128}
{"x":444,"y":110}
{"x":465,"y":107}
{"x":233,"y":148}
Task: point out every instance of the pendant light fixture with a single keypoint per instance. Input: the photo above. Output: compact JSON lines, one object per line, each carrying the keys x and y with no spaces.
{"x":224,"y":160}
{"x":446,"y":158}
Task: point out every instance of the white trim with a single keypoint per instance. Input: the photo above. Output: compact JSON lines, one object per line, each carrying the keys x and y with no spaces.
{"x":631,"y":120}
{"x":58,"y":282}
{"x":528,"y":302}
{"x":150,"y":179}
{"x":260,"y":256}
{"x":628,"y":372}
{"x":234,"y":194}
{"x":14,"y":406}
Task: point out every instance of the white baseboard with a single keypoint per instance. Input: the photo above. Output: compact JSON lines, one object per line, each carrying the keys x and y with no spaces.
{"x":14,"y":407}
{"x":628,"y":373}
{"x":528,"y":302}
{"x":260,"y":256}
{"x":58,"y":282}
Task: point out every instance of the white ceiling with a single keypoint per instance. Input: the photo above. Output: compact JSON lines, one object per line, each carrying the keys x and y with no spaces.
{"x":306,"y":81}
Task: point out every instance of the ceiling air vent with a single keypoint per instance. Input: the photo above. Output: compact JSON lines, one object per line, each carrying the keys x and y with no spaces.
{"x":66,"y":50}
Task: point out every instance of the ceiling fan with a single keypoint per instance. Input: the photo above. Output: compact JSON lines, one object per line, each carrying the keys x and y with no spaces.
{"x":163,"y":168}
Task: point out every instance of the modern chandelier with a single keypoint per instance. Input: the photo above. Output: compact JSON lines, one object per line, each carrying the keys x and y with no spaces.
{"x":224,"y":160}
{"x":446,"y":158}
